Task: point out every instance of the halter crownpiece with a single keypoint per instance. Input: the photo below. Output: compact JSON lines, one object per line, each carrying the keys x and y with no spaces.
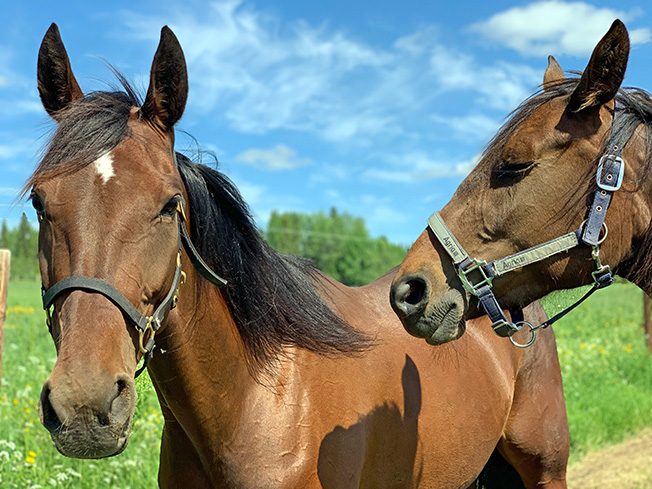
{"x":147,"y":326}
{"x":477,"y":275}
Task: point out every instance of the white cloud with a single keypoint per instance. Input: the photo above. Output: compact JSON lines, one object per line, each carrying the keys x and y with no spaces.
{"x":415,"y":167}
{"x":475,"y":126}
{"x":277,"y":158}
{"x":16,"y":148}
{"x":555,"y":27}
{"x":327,"y":172}
{"x":265,"y":74}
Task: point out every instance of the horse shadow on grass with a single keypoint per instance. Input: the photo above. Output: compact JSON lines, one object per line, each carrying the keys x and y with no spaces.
{"x":391,"y":441}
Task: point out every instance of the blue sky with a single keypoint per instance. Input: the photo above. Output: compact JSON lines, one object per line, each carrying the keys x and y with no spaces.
{"x":378,"y":108}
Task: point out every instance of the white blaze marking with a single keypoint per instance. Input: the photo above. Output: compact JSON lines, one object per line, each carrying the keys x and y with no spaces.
{"x":104,"y":166}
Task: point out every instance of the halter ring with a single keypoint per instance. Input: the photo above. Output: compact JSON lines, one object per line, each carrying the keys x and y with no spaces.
{"x":533,"y":335}
{"x":604,"y":236}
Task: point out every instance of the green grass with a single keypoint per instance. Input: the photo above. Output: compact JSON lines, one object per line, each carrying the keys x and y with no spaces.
{"x":606,"y":368}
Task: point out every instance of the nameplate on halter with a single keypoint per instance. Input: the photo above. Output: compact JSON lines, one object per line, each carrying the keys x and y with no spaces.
{"x":535,"y":254}
{"x":446,"y":238}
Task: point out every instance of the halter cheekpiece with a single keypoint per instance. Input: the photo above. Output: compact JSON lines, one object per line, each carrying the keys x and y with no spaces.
{"x":477,"y":275}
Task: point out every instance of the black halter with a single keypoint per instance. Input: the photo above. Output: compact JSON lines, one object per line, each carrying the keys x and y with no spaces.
{"x":477,"y":275}
{"x":147,"y":326}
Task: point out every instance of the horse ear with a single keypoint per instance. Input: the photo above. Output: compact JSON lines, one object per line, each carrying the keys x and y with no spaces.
{"x":168,"y":82}
{"x":605,"y":72}
{"x":57,"y":85}
{"x":553,"y":74}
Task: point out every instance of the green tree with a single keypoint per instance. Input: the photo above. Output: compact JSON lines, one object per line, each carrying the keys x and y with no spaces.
{"x":22,"y":241}
{"x":339,"y":244}
{"x":4,"y":235}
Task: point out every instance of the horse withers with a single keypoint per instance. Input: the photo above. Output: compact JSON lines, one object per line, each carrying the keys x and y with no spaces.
{"x":268,"y":373}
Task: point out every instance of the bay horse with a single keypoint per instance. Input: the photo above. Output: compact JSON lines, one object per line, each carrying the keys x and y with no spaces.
{"x":562,"y":197}
{"x":280,"y":378}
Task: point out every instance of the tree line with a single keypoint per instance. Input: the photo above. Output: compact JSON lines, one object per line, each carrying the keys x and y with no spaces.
{"x":338,"y":243}
{"x":23,"y":243}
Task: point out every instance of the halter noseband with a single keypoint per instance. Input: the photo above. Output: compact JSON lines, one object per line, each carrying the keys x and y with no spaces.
{"x":147,"y":326}
{"x":477,"y":275}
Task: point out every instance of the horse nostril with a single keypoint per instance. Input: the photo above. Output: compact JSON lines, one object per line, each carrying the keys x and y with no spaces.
{"x":409,"y":295}
{"x":417,"y":291}
{"x":121,"y":385}
{"x":122,"y":403}
{"x":49,"y":416}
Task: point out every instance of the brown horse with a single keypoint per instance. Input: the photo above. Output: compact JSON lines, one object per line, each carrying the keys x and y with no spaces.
{"x":535,"y":182}
{"x":283,"y":378}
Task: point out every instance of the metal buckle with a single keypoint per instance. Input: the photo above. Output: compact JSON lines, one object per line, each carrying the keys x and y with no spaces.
{"x":181,"y":211}
{"x":48,"y":318}
{"x":146,"y":347}
{"x":506,"y":328}
{"x":610,"y":187}
{"x":467,"y":284}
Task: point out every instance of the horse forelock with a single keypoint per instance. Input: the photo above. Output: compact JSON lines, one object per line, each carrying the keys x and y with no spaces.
{"x":86,"y":130}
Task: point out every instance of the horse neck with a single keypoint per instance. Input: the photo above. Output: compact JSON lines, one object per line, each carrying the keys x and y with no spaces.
{"x":200,"y":371}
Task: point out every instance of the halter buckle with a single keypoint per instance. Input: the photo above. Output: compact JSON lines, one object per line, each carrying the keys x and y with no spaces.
{"x":464,"y":275}
{"x":175,"y":298}
{"x":610,"y":186}
{"x":505,"y":328}
{"x":152,"y":326}
{"x":181,"y":211}
{"x":48,"y":318}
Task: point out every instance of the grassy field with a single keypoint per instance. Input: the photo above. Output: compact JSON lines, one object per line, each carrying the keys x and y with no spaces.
{"x":607,"y":376}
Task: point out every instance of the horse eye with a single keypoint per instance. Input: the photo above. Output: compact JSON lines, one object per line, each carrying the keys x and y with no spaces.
{"x":509,"y":169}
{"x":170,"y":208}
{"x":39,"y":206}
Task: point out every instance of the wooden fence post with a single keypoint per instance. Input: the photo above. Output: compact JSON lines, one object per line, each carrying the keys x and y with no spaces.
{"x":647,"y":320}
{"x":5,"y":261}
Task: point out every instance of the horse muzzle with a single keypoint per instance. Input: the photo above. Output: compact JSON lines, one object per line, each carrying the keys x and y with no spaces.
{"x":89,"y":428}
{"x":437,"y":323}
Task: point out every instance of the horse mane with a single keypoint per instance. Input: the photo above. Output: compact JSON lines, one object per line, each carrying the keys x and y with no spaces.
{"x":633,"y":108}
{"x":274,"y":299}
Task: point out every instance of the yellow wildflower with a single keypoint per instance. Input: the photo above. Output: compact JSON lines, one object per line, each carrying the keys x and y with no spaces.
{"x":20,"y":310}
{"x":628,"y":348}
{"x":31,"y":457}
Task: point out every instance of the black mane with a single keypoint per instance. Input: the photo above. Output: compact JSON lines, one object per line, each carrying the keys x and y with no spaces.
{"x":273,"y":298}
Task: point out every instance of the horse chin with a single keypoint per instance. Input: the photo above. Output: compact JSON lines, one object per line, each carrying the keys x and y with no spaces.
{"x":79,"y":440}
{"x":441,"y":322}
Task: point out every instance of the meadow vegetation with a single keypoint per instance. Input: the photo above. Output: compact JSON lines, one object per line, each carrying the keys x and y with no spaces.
{"x":606,"y":368}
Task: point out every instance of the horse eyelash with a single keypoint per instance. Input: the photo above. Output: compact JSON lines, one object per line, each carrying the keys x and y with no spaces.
{"x":507,"y":169}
